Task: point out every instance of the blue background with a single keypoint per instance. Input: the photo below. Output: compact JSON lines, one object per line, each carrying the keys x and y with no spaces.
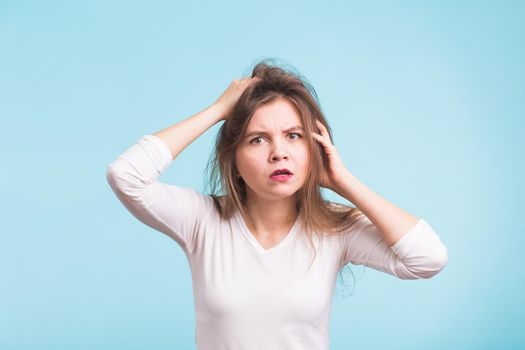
{"x":426,"y":102}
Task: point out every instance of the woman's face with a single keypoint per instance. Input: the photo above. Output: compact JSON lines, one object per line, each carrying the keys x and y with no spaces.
{"x":271,"y":142}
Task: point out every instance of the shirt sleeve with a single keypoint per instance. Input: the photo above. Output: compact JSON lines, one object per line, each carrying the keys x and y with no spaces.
{"x":418,"y":254}
{"x":175,"y":211}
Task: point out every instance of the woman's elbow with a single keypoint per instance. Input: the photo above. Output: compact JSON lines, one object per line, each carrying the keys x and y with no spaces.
{"x":435,"y":263}
{"x":429,"y":266}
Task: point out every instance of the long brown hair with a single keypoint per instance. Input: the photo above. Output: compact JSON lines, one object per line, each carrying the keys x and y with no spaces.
{"x":319,"y":216}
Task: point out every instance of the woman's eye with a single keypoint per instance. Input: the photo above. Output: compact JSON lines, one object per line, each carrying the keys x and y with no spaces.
{"x":258,"y":137}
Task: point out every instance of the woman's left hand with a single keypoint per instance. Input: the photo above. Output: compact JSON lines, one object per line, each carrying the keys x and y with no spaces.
{"x":331,"y":176}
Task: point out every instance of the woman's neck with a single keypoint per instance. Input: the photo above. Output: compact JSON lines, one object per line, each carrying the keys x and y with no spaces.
{"x":271,"y":218}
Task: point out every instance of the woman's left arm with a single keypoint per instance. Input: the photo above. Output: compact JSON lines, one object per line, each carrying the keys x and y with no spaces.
{"x":392,"y":240}
{"x":392,"y":221}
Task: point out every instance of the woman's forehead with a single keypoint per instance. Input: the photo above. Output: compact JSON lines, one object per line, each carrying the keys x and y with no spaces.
{"x":279,"y":113}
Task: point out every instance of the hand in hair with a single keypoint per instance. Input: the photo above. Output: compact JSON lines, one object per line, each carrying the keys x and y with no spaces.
{"x":331,"y":176}
{"x":230,"y":96}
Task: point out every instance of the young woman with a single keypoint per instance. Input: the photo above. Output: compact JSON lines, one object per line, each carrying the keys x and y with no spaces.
{"x":265,"y":251}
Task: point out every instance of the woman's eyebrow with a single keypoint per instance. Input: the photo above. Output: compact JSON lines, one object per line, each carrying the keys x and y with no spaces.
{"x":258,"y":132}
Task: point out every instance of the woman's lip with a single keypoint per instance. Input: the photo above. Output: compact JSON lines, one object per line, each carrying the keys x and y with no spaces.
{"x":281,"y":178}
{"x":286,"y":173}
{"x":283,"y":171}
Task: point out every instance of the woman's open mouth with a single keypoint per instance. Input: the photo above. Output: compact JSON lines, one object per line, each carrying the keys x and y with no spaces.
{"x":281,"y":175}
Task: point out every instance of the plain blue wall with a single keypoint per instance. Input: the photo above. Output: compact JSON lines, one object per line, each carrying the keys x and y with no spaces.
{"x":426,"y":103}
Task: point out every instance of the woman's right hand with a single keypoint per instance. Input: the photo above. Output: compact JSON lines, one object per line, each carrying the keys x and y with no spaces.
{"x":230,"y":96}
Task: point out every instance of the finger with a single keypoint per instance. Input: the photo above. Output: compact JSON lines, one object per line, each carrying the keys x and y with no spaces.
{"x":328,"y":147}
{"x":324,"y":131}
{"x":321,"y":126}
{"x":320,"y":138}
{"x":316,"y":136}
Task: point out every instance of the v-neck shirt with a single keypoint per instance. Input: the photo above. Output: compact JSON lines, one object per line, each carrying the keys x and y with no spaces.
{"x":288,"y":237}
{"x":246,"y":296}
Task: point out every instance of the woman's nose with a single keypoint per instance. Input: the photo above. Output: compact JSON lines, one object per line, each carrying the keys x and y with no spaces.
{"x":278,"y":151}
{"x":277,"y":157}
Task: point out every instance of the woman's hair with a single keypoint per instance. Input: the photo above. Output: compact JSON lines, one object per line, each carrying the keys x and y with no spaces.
{"x":319,"y":216}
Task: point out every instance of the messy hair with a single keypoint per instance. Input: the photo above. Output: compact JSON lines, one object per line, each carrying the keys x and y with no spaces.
{"x":318,"y":215}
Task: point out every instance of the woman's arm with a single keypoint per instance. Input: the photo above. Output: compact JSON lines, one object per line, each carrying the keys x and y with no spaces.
{"x":178,"y":136}
{"x":392,"y":221}
{"x":418,"y":254}
{"x":389,"y":238}
{"x":176,"y":211}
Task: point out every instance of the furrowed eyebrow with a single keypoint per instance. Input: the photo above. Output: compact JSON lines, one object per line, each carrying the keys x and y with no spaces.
{"x":260,"y":132}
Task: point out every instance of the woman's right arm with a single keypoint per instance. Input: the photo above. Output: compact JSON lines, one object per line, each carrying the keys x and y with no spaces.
{"x":180,"y":135}
{"x":133,"y":176}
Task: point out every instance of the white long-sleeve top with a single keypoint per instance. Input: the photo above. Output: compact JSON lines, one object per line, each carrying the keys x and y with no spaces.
{"x":248,"y":297}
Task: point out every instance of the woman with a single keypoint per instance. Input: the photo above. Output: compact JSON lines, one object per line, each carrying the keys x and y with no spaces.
{"x":256,"y":283}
